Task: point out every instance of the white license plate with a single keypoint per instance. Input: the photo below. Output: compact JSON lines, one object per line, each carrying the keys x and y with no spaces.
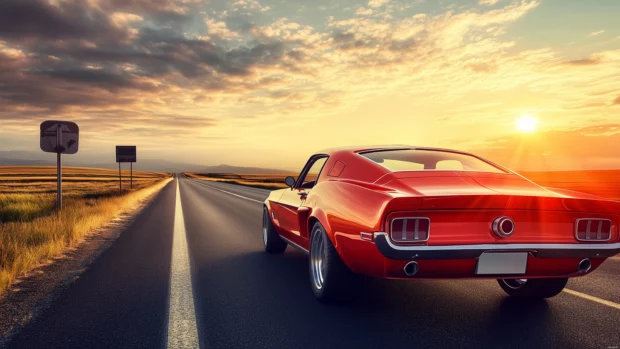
{"x":502,"y":263}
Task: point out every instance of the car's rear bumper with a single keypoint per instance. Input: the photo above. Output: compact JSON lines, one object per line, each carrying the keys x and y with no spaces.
{"x":391,"y":251}
{"x":374,"y":255}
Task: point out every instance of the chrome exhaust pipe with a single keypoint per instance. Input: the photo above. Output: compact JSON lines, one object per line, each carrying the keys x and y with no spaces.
{"x":411,"y":268}
{"x":584,"y":266}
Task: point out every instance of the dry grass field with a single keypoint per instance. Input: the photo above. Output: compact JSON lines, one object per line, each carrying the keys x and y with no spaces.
{"x":76,"y":180}
{"x":602,"y":183}
{"x":31,"y":231}
{"x":30,"y":192}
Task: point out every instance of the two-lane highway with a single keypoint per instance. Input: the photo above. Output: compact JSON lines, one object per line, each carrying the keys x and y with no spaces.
{"x":223,"y":291}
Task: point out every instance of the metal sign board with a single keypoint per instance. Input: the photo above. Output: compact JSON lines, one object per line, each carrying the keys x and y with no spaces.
{"x":126,"y":153}
{"x":61,"y":137}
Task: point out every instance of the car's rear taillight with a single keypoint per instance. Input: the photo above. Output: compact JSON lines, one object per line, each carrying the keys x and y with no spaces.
{"x":593,"y":229}
{"x":410,"y":229}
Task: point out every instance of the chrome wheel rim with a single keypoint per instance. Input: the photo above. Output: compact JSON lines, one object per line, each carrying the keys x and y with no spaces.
{"x":265,"y":218}
{"x":317,"y":259}
{"x":514,"y":283}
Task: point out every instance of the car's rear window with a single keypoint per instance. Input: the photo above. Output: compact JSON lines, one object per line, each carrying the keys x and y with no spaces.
{"x":428,"y":160}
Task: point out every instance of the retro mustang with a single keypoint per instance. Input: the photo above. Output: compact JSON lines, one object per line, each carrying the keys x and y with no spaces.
{"x":423,"y":213}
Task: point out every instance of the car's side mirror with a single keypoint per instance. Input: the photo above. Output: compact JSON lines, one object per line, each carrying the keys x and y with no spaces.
{"x":290,"y":181}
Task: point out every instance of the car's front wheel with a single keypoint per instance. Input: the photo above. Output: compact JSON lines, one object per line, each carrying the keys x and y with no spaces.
{"x":271,"y":240}
{"x":331,"y":280}
{"x":533,"y":288}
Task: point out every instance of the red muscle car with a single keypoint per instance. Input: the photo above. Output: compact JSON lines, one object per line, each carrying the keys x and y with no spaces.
{"x":425,"y":213}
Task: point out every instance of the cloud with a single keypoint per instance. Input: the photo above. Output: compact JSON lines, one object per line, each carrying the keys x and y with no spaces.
{"x":243,"y":58}
{"x":377,"y":3}
{"x":161,"y":9}
{"x":596,"y":33}
{"x":583,"y":62}
{"x":616,"y":101}
{"x":488,"y":2}
{"x":39,"y":20}
{"x":249,"y":6}
{"x":115,"y":46}
{"x":220,"y":30}
{"x":151,"y":59}
{"x":123,"y":18}
{"x":362,"y":11}
{"x":104,"y":79}
{"x":483,"y":67}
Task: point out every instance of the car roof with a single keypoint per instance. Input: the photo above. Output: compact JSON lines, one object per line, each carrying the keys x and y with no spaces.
{"x":376,"y":148}
{"x":359,"y":149}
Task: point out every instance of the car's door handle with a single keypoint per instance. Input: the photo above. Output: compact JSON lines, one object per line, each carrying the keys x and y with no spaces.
{"x":302,"y":193}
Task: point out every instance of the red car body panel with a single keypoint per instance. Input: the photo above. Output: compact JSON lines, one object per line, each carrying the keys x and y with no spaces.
{"x":353,"y":195}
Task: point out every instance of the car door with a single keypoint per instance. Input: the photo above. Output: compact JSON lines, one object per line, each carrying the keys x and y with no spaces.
{"x":292,"y":199}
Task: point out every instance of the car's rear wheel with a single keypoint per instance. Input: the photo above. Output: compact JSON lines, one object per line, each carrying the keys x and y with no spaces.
{"x":533,"y":288}
{"x":272,"y":241}
{"x":330,"y":279}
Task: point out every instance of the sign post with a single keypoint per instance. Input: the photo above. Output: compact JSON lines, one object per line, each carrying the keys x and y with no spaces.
{"x":120,"y":180}
{"x":59,"y":170}
{"x":126,"y":153}
{"x":60,"y":137}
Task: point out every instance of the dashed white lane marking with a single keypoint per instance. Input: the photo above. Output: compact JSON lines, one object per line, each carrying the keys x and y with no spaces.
{"x":229,"y":193}
{"x":182,"y":328}
{"x":593,"y":299}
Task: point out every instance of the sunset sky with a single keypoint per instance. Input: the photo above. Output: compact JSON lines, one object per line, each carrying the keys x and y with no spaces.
{"x":267,"y":83}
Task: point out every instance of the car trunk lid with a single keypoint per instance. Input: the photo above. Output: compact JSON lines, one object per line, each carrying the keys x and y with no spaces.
{"x":474,"y":190}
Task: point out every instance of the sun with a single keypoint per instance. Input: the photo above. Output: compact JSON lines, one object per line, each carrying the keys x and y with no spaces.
{"x":527,"y":124}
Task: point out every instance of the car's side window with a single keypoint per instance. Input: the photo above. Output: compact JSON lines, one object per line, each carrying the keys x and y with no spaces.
{"x":308,"y":178}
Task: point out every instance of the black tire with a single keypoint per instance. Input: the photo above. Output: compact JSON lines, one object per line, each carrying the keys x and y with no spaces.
{"x":533,"y":288}
{"x":339,"y":283}
{"x":271,"y":240}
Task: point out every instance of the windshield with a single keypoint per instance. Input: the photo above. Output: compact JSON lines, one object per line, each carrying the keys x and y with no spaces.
{"x":429,"y":160}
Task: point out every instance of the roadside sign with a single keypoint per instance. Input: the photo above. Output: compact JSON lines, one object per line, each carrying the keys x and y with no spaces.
{"x":125,"y":153}
{"x":59,"y":137}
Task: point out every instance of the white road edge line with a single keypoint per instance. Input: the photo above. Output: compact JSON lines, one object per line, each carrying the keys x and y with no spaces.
{"x":593,"y":299}
{"x":182,"y":328}
{"x":229,"y":193}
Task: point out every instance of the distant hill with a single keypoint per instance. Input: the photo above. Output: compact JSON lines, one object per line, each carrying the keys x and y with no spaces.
{"x":22,"y":158}
{"x":18,"y":162}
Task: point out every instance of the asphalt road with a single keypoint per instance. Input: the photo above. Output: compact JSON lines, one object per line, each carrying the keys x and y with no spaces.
{"x":245,"y":298}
